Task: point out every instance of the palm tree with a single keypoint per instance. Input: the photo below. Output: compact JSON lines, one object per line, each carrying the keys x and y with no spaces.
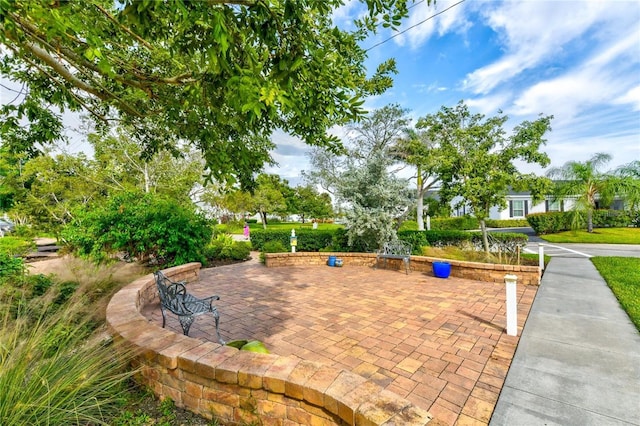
{"x":585,"y":181}
{"x":629,"y":184}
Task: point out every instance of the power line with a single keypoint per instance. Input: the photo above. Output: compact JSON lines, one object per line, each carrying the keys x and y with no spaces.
{"x":415,"y":4}
{"x":415,"y":25}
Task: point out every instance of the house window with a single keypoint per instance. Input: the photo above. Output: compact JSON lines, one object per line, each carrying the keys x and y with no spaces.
{"x":554,"y":206}
{"x":518,"y":208}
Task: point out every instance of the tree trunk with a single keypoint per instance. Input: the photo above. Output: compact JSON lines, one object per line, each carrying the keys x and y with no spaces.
{"x":485,"y":239}
{"x":420,"y":211}
{"x":263,"y":217}
{"x":590,"y":220}
{"x":420,"y":201}
{"x":146,"y":179}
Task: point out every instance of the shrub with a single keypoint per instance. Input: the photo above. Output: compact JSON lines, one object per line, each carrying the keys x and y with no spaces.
{"x":506,"y":223}
{"x":552,"y":222}
{"x":314,"y":239}
{"x":16,"y":246}
{"x":612,"y":219}
{"x":272,"y":247}
{"x":142,"y":226}
{"x":454,"y":223}
{"x":225,"y":248}
{"x":417,"y":239}
{"x":448,"y":238}
{"x":11,"y":268}
{"x":369,"y":227}
{"x":408,"y":225}
{"x":259,"y":237}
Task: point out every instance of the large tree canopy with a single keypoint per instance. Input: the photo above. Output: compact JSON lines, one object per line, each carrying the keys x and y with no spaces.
{"x":220,"y":74}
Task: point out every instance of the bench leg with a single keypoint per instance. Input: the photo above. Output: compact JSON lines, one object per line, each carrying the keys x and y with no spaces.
{"x":164,"y":315}
{"x":185,"y":322}
{"x":216,"y":317}
{"x":406,"y":266}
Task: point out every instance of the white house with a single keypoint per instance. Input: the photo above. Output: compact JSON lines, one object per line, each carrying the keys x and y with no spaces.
{"x":520,"y":204}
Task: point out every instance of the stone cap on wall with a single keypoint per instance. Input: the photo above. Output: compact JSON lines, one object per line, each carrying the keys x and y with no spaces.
{"x":488,"y":272}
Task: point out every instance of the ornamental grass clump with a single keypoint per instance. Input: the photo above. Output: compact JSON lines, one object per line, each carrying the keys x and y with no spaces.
{"x":56,"y":370}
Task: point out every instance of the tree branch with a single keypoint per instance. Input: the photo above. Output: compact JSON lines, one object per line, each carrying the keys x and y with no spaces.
{"x":123,"y":28}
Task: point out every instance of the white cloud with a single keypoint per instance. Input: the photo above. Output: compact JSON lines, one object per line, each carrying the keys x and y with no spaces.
{"x":488,"y":105}
{"x":453,"y":20}
{"x":344,"y":15}
{"x":534,"y":33}
{"x":606,"y":77}
{"x":632,"y":97}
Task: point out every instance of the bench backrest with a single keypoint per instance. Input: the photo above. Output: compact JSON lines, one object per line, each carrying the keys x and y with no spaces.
{"x":398,"y":247}
{"x":171,"y":293}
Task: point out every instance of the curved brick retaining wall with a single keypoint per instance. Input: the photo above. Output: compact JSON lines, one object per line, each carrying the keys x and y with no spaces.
{"x":243,"y":387}
{"x":489,"y":272}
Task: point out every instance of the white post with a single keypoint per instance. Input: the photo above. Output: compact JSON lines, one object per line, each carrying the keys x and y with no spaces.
{"x":512,"y":306}
{"x":428,"y":223}
{"x":541,"y":256}
{"x":293,"y":235}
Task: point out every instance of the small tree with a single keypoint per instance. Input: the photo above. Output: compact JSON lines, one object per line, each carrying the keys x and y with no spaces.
{"x":374,"y":199}
{"x":585,"y":182}
{"x":307,"y":202}
{"x":268,"y":197}
{"x":377,"y":199}
{"x":477,"y":158}
{"x":422,"y":153}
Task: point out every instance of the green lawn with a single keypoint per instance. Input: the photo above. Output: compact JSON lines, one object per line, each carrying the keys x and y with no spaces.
{"x":598,"y":236}
{"x":279,"y":225}
{"x":622,"y":274}
{"x":294,"y":225}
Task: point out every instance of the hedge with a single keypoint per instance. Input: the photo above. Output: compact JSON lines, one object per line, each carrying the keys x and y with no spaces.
{"x":552,"y":222}
{"x":464,"y":223}
{"x":314,"y":240}
{"x":506,"y":223}
{"x":453,"y":223}
{"x":308,"y":239}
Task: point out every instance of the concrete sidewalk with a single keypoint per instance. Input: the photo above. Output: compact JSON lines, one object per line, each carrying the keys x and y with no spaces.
{"x":578,"y":359}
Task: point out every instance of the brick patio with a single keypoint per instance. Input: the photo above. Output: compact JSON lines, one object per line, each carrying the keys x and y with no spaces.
{"x":440,"y":343}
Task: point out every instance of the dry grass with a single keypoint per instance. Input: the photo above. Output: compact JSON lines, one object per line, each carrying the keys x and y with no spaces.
{"x":456,"y":253}
{"x":96,"y":283}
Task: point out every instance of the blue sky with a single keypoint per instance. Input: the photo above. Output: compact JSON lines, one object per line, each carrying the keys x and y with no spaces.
{"x":576,"y":60}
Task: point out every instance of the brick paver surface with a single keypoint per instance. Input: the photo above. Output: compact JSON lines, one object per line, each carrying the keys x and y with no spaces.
{"x":440,"y":343}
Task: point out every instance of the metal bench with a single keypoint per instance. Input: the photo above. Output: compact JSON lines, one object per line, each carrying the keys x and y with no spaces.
{"x":174,"y":297}
{"x":395,"y":250}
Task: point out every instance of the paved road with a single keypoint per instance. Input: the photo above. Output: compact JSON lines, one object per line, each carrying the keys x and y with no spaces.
{"x":574,"y":250}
